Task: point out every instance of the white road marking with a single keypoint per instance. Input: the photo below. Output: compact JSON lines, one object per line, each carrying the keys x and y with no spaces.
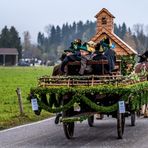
{"x":30,"y":124}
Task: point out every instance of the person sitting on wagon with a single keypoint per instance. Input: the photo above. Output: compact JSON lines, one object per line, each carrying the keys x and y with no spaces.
{"x":109,"y":53}
{"x":72,"y":54}
{"x":99,"y":55}
{"x":85,"y":56}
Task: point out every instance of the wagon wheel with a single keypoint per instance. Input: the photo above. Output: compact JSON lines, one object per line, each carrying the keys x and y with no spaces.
{"x":68,"y":126}
{"x":57,"y":118}
{"x":68,"y":129}
{"x":120,"y":124}
{"x":91,"y":121}
{"x":133,"y":118}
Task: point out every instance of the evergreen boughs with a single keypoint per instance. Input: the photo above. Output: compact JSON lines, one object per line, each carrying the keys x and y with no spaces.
{"x":135,"y":94}
{"x":127,"y":64}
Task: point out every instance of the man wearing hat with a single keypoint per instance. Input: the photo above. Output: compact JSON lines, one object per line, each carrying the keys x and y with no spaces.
{"x":106,"y":47}
{"x":110,"y":54}
{"x":85,"y":56}
{"x":72,"y":54}
{"x":69,"y":57}
{"x":99,"y":55}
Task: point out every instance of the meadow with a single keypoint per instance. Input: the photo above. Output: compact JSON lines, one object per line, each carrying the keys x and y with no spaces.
{"x":24,"y":78}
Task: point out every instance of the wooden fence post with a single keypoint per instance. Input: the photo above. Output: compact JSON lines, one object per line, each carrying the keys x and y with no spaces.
{"x":18,"y":91}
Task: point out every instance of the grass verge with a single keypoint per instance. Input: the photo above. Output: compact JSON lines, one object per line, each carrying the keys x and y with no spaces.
{"x":10,"y":79}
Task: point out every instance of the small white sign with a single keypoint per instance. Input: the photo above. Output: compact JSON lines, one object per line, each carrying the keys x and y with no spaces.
{"x":121,"y":106}
{"x":34,"y":104}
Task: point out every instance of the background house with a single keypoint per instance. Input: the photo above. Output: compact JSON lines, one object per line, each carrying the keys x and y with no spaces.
{"x":8,"y":56}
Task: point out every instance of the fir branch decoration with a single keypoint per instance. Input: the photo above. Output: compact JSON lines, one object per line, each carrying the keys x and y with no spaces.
{"x":136,"y":94}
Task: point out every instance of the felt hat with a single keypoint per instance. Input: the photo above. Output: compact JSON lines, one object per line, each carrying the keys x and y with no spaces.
{"x":83,"y":47}
{"x":91,"y":46}
{"x":91,"y":43}
{"x":99,"y":48}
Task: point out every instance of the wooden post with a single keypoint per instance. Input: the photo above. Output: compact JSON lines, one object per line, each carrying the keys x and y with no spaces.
{"x":92,"y":81}
{"x":18,"y":91}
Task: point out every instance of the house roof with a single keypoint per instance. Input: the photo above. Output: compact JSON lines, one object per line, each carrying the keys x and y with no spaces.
{"x":104,"y":10}
{"x":116,"y":39}
{"x":8,"y":51}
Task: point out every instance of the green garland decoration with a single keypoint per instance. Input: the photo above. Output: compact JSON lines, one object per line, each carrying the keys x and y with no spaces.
{"x":77,"y":98}
{"x":136,"y":94}
{"x":125,"y":60}
{"x":60,"y":108}
{"x":98,"y":108}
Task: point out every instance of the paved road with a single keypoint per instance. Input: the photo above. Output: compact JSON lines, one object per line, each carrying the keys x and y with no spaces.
{"x":47,"y":135}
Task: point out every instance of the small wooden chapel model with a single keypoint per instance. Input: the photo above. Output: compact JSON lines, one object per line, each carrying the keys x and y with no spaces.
{"x":105,"y":28}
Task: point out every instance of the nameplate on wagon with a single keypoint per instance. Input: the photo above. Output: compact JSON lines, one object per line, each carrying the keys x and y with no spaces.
{"x":34,"y":104}
{"x":121,"y":106}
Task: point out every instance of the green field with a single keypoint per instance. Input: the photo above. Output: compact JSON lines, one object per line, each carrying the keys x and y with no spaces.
{"x":10,"y":79}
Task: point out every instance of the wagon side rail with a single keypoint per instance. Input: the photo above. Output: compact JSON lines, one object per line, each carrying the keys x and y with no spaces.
{"x":90,"y":80}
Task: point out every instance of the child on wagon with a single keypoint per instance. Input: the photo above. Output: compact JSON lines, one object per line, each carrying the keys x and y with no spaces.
{"x":86,"y":55}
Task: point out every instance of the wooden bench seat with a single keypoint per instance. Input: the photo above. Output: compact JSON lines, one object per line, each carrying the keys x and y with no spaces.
{"x":117,"y":70}
{"x":92,"y":62}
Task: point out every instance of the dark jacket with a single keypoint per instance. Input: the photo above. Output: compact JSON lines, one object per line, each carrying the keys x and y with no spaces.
{"x":111,"y":57}
{"x":98,"y":69}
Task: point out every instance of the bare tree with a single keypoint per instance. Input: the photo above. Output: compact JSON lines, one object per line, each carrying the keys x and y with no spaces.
{"x":128,"y":38}
{"x":146,"y":30}
{"x":138,"y":29}
{"x":26,"y":42}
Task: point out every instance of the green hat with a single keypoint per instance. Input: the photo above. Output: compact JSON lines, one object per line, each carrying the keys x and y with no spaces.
{"x":82,"y":47}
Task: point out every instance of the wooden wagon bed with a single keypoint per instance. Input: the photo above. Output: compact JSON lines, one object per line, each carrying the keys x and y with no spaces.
{"x":93,"y":94}
{"x":90,"y":80}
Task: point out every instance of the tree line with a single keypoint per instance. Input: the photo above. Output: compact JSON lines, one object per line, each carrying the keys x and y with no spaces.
{"x":58,"y":38}
{"x":9,"y":38}
{"x":51,"y":44}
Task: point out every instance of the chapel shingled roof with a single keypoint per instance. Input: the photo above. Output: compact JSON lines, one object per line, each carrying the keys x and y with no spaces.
{"x":116,"y":39}
{"x":105,"y":10}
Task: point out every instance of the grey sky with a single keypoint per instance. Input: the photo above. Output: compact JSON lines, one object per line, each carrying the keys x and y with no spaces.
{"x":34,"y":15}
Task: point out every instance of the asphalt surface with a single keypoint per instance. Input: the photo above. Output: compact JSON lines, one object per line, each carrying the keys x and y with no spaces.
{"x":46,"y":134}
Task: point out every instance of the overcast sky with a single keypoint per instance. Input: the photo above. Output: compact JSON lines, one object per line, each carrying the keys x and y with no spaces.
{"x":34,"y":15}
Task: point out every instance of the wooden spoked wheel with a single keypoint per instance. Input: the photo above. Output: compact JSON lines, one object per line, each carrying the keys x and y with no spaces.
{"x":120,"y":124}
{"x":91,"y":121}
{"x":68,"y":129}
{"x":68,"y":126}
{"x":133,"y":118}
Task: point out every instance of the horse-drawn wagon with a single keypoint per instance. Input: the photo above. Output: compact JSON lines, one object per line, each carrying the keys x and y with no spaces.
{"x":79,"y":98}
